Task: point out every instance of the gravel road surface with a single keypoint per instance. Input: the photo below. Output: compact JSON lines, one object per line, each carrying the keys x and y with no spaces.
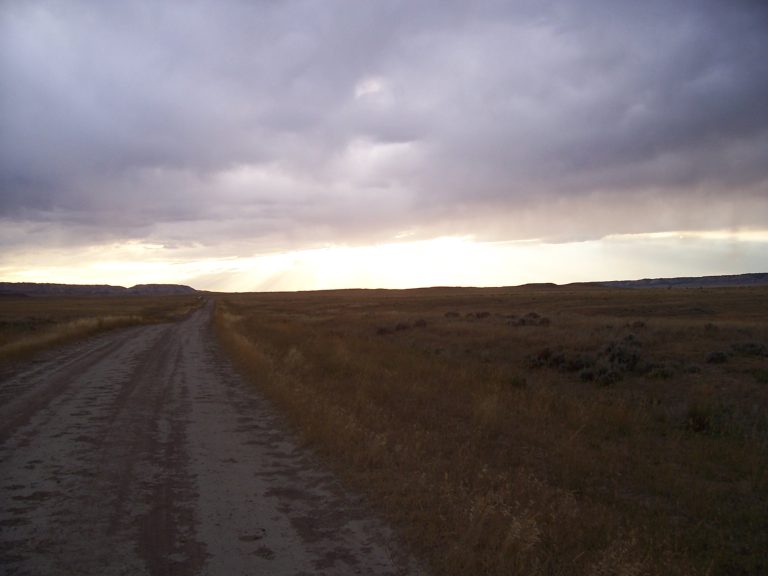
{"x":143,"y":452}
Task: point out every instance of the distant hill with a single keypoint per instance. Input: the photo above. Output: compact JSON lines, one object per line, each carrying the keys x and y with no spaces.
{"x":756,"y":279}
{"x":42,"y":289}
{"x":148,"y":289}
{"x":539,"y":285}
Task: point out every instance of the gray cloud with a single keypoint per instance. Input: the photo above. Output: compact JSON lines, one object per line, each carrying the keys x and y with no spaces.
{"x":296,"y":122}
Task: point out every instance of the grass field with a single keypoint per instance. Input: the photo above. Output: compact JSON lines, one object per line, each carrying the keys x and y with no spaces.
{"x":28,"y":325}
{"x":567,"y":430}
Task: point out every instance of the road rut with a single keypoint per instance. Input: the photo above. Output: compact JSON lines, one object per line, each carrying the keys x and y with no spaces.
{"x":143,"y":452}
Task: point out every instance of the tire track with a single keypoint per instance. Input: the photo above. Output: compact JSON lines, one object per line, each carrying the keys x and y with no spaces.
{"x":143,"y":452}
{"x":25,"y":395}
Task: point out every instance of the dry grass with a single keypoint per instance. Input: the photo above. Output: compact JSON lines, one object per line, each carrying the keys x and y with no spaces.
{"x":533,"y":431}
{"x":28,"y":325}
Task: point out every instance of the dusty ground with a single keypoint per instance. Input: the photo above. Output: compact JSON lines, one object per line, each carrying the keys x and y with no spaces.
{"x":142,"y":452}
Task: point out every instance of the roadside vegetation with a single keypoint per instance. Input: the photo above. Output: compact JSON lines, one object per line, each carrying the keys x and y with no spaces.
{"x":540,"y":430}
{"x":28,"y":325}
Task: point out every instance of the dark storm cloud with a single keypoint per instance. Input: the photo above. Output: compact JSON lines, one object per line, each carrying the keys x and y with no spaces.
{"x":303,"y":120}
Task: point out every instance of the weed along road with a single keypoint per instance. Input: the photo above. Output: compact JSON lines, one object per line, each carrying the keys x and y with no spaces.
{"x":142,"y":452}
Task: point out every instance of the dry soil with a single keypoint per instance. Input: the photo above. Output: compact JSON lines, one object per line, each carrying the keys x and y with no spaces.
{"x":142,"y":451}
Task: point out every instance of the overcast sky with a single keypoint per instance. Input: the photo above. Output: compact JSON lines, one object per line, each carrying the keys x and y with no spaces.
{"x":200,"y":141}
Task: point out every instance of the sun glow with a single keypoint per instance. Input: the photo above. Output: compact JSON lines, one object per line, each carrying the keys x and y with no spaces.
{"x":446,"y":261}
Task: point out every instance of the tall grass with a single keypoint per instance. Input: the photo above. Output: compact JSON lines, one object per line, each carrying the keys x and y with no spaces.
{"x":599,"y":442}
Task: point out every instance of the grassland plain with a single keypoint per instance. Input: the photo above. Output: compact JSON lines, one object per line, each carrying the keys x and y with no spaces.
{"x":28,"y":325}
{"x":543,"y":430}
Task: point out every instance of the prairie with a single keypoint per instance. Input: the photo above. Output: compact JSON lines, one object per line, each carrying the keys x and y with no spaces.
{"x":532,"y":430}
{"x":28,"y":325}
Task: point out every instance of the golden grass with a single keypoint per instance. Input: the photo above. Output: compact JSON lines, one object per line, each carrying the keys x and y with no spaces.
{"x":28,"y":325}
{"x":604,"y":441}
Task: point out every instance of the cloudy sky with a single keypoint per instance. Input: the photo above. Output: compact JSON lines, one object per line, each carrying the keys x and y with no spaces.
{"x":300,"y":144}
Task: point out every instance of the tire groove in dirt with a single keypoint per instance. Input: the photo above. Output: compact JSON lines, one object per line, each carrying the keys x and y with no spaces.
{"x":147,"y":454}
{"x":135,"y":410}
{"x":167,"y":531}
{"x":17,"y":412}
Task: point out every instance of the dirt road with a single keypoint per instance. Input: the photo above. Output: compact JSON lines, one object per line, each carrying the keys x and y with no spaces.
{"x":143,"y":452}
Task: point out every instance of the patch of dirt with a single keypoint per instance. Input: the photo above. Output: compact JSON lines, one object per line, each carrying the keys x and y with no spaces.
{"x":142,"y":451}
